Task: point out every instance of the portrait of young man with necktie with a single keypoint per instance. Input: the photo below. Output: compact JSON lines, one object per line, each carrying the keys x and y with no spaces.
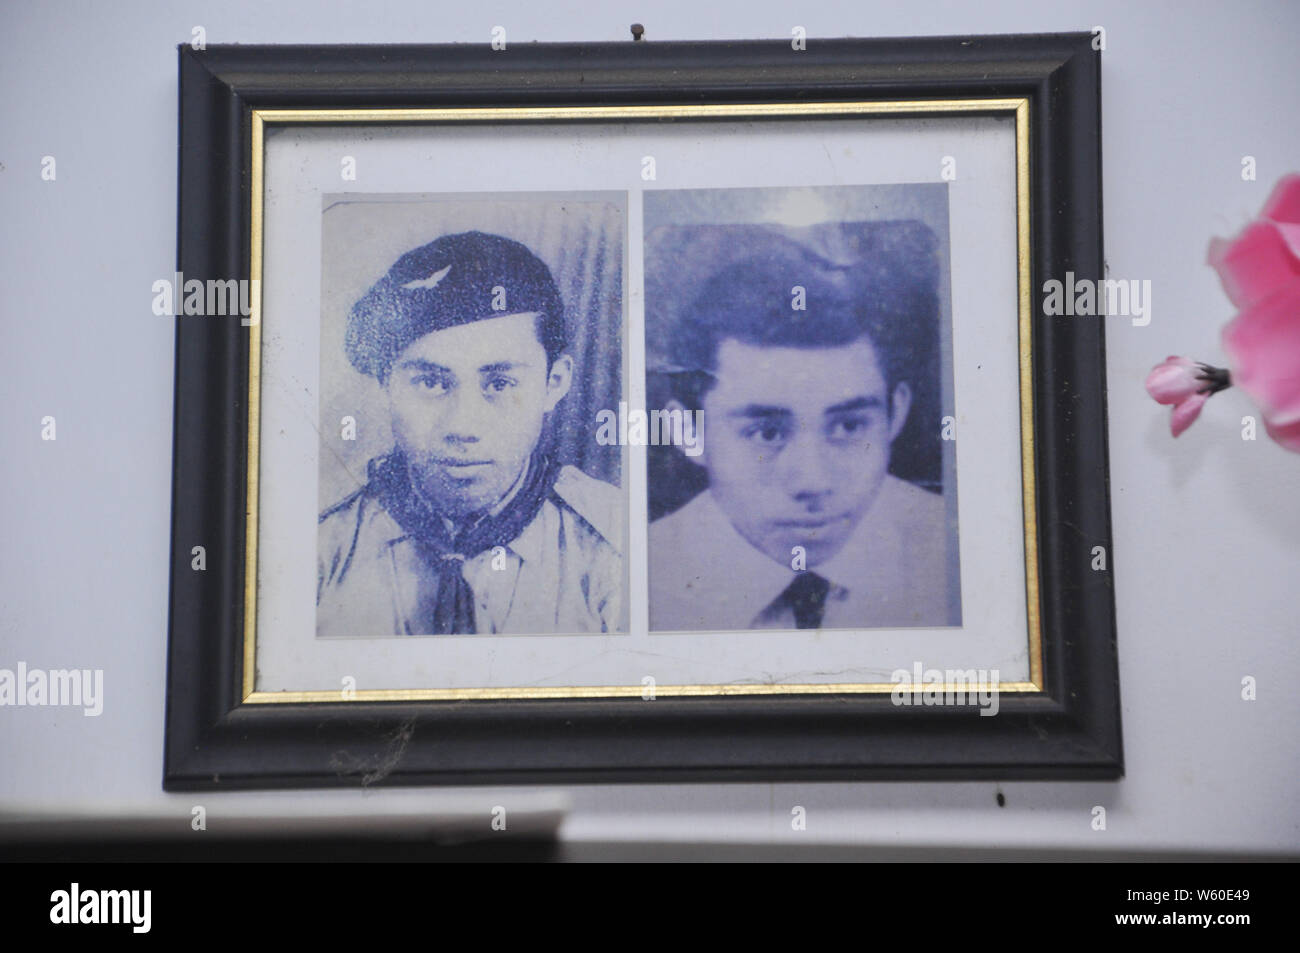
{"x":806,"y":371}
{"x":467,"y":526}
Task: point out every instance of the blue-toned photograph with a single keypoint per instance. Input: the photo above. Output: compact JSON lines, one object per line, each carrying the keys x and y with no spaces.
{"x":466,"y":345}
{"x":809,"y":331}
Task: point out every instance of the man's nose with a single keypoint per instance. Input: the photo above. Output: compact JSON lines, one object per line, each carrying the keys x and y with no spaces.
{"x":805,"y":468}
{"x":466,"y":420}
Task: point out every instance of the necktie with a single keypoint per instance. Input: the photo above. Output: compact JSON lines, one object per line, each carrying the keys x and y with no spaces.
{"x":806,"y":596}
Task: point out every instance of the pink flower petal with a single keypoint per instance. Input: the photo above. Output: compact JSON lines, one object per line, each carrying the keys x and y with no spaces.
{"x":1283,"y":203}
{"x":1290,"y":235}
{"x":1263,"y":345}
{"x":1255,"y":264}
{"x":1286,"y":435}
{"x":1185,"y":414}
{"x":1173,"y":381}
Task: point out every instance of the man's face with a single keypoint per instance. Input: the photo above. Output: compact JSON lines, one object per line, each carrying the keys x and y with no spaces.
{"x":797,"y":442}
{"x":468,"y":403}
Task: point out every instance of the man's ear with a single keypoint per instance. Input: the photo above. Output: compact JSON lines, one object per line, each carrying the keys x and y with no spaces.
{"x":696,"y":456}
{"x":558,"y":381}
{"x":899,"y":404}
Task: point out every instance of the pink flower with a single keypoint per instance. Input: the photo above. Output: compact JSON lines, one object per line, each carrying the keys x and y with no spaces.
{"x":1173,"y":381}
{"x":1260,"y":271}
{"x":1187,"y":385}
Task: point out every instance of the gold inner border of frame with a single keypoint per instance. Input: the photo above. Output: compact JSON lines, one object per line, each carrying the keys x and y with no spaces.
{"x":1019,"y":107}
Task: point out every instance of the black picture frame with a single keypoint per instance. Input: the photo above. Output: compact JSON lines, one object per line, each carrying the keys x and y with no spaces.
{"x":1069,"y":730}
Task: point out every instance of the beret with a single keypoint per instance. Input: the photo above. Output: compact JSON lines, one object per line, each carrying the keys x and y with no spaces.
{"x":453,"y":280}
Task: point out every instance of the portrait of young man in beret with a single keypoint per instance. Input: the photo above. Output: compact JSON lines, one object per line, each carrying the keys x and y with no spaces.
{"x":467,"y":526}
{"x":806,"y":372}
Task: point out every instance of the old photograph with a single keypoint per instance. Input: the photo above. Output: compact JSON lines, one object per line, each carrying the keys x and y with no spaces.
{"x":807,"y":330}
{"x":466,"y":344}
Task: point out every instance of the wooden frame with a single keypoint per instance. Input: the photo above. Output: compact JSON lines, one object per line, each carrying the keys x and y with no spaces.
{"x":1066,"y":727}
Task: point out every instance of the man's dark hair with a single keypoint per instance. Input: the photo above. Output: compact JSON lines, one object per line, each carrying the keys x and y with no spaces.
{"x":454,"y":280}
{"x":887,"y":294}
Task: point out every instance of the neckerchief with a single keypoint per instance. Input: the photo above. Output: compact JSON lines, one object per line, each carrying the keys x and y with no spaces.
{"x":448,"y":607}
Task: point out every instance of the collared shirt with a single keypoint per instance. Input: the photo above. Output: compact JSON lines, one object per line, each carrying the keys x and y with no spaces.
{"x":563,"y":573}
{"x":893,"y":571}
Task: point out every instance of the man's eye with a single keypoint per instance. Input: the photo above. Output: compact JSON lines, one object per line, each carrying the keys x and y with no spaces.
{"x":848,"y":428}
{"x":430,"y":384}
{"x":766,"y":434}
{"x":500,"y":384}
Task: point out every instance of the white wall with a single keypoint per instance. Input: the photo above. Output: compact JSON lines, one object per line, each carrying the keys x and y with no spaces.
{"x":1207,"y":528}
